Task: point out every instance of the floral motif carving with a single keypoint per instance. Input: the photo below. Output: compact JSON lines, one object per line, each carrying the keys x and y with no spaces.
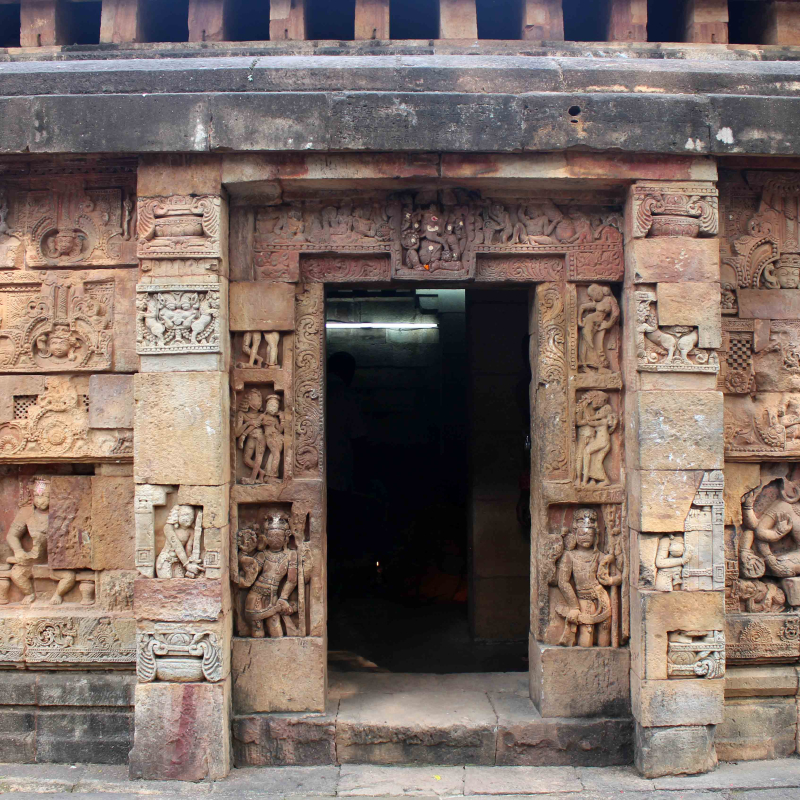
{"x":521,"y":268}
{"x":61,"y":324}
{"x":309,"y":341}
{"x":675,"y":210}
{"x":172,"y":653}
{"x":176,"y":226}
{"x":333,"y":269}
{"x":177,"y":319}
{"x":551,"y":391}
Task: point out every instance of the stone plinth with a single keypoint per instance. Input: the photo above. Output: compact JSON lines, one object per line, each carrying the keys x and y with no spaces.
{"x":288,"y":674}
{"x":579,"y":681}
{"x":181,"y":731}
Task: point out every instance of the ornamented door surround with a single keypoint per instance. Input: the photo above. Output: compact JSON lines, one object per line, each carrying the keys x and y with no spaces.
{"x":570,"y":256}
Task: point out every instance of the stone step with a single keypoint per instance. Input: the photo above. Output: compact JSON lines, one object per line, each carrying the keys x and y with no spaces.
{"x":430,"y":719}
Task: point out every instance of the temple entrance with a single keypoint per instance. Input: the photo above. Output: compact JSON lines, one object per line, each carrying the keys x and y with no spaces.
{"x":427,"y":416}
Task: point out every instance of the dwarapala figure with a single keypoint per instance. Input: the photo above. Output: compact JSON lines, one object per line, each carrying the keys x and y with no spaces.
{"x":583,"y":572}
{"x":272,"y":572}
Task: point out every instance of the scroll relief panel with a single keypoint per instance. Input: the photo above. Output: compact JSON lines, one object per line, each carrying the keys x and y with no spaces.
{"x":583,"y":562}
{"x":277,"y":589}
{"x":73,"y":221}
{"x":760,"y":376}
{"x":56,"y":322}
{"x":66,"y":579}
{"x":66,"y":417}
{"x":438,"y":235}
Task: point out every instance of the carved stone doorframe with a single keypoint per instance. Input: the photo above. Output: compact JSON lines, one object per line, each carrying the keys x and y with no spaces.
{"x":570,"y":253}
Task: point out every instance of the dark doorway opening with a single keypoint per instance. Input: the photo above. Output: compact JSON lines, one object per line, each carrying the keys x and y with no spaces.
{"x":428,"y":538}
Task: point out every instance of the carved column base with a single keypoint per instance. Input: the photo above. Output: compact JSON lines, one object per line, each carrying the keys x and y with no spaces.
{"x":181,"y":731}
{"x":565,"y":681}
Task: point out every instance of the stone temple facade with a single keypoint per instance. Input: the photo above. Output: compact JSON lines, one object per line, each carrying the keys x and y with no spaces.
{"x":175,"y":201}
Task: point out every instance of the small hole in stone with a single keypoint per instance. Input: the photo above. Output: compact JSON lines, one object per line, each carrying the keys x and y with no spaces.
{"x":574,"y":111}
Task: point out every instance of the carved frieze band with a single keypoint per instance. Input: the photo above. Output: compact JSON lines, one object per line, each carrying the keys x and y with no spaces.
{"x":308,"y":394}
{"x":437,"y":236}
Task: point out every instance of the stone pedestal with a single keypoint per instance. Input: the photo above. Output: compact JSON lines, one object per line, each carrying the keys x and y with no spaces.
{"x":579,"y":681}
{"x":182,"y":731}
{"x":288,"y":674}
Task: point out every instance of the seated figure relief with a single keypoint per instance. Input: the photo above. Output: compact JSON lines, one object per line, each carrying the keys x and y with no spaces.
{"x":769,"y":548}
{"x":32,"y":520}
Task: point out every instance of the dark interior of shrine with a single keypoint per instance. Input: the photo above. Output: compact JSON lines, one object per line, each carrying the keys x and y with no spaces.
{"x":427,"y":468}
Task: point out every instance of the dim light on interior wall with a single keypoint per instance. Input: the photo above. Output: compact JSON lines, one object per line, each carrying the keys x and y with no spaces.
{"x":398,"y":326}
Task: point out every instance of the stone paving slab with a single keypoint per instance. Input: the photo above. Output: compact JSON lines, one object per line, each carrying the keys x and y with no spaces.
{"x":520,"y":780}
{"x":752,"y":780}
{"x":742,"y":775}
{"x":358,"y":780}
{"x":616,"y":779}
{"x":263,"y":781}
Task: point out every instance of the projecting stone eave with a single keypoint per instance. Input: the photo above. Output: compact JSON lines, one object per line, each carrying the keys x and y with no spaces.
{"x":426,"y":103}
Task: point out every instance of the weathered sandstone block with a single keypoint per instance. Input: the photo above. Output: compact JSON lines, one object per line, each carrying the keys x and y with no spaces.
{"x":182,"y":423}
{"x":182,"y":731}
{"x":675,"y":751}
{"x":287,"y":674}
{"x":579,"y":681}
{"x":680,"y":430}
{"x":677,"y":702}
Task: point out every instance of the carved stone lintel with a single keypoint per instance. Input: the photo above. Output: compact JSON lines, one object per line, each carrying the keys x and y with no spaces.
{"x":309,"y":347}
{"x":437,"y":236}
{"x":179,"y":318}
{"x":680,"y":209}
